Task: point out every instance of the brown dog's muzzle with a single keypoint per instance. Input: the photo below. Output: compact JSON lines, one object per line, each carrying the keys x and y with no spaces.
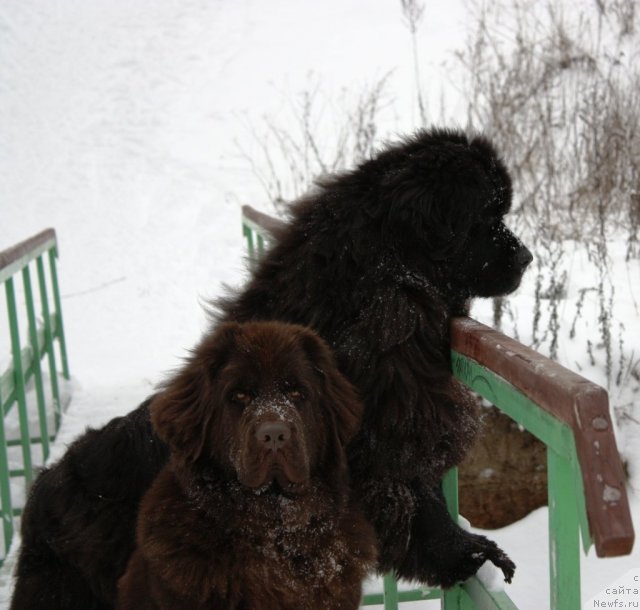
{"x":273,"y":449}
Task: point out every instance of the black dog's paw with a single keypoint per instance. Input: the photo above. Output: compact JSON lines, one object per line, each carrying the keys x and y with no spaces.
{"x":466,"y":560}
{"x":493,"y":553}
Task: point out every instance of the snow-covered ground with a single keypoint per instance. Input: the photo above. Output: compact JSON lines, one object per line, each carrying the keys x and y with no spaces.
{"x":122,"y":125}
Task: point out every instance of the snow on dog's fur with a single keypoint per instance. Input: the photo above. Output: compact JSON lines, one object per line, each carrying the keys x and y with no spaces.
{"x":253,"y":508}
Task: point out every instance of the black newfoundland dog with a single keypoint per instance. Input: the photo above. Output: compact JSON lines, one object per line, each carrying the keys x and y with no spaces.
{"x":376,"y":260}
{"x":253,"y":509}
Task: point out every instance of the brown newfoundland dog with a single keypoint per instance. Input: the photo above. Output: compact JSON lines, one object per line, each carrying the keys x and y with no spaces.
{"x":376,"y":260}
{"x":252,"y":510}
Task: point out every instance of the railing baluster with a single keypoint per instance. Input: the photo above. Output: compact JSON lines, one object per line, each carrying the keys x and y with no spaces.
{"x":37,"y":370}
{"x":564,"y":534}
{"x":5,"y":486}
{"x":248,"y":233}
{"x":49,"y":346}
{"x":58,"y":313}
{"x":452,"y":599}
{"x":390,"y":592}
{"x":20,"y":389}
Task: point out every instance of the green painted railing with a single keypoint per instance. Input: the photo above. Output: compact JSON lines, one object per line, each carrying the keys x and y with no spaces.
{"x":586,"y":483}
{"x":27,"y":398}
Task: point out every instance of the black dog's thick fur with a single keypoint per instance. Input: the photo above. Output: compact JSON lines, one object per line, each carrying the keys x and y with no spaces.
{"x":78,"y":528}
{"x":376,"y":260}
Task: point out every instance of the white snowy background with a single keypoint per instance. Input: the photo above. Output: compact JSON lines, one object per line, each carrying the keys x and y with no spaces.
{"x":126,"y":124}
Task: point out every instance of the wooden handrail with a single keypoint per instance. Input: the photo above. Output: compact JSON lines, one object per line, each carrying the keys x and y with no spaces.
{"x":15,"y":258}
{"x":268,"y":223}
{"x":570,"y":398}
{"x":25,"y":248}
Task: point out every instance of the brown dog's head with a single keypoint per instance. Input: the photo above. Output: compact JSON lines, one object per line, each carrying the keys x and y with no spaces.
{"x":262,"y":403}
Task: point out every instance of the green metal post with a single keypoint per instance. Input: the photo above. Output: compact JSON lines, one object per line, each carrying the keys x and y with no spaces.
{"x":19,"y":380}
{"x":37,"y":371}
{"x":390,"y":592}
{"x":5,"y":483}
{"x":58,"y":313}
{"x":564,"y":535}
{"x":48,"y":340}
{"x":454,"y":598}
{"x":450,"y":490}
{"x":248,"y":233}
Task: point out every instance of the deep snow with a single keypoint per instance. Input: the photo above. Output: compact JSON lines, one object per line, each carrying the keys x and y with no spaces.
{"x":121,"y":125}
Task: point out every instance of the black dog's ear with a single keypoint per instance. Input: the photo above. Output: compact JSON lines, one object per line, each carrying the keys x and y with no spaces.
{"x":183,"y":410}
{"x":435,"y":208}
{"x":501,"y":188}
{"x":435,"y":186}
{"x":338,"y":396}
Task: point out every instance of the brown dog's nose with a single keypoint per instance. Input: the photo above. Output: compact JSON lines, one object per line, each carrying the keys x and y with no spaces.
{"x":273,"y":434}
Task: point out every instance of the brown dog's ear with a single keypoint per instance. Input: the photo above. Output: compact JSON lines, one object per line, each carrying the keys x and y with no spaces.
{"x":183,"y":410}
{"x":339,"y":396}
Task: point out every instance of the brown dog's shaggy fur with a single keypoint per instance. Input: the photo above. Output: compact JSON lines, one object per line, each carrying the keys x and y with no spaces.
{"x":252,"y":511}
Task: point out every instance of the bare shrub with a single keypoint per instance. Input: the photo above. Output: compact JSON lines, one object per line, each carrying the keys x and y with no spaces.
{"x":560,"y":95}
{"x":561,"y":98}
{"x":413,"y":12}
{"x":313,"y":141}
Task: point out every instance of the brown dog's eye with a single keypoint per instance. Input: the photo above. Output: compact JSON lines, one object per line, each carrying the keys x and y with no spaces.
{"x":295,"y":395}
{"x":242,"y":398}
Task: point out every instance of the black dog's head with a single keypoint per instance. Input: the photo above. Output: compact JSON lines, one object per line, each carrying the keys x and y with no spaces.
{"x":440,"y":199}
{"x":261,"y":403}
